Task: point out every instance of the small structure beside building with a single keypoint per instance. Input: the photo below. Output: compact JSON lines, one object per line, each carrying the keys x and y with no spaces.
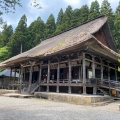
{"x":9,"y":80}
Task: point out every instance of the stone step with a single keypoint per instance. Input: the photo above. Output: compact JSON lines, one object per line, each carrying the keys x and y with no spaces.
{"x":17,"y":95}
{"x":102,"y":103}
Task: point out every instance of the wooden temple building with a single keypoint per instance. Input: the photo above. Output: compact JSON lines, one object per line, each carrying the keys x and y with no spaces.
{"x":81,"y":60}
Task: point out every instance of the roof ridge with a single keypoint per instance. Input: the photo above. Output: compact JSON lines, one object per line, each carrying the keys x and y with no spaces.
{"x":75,"y":26}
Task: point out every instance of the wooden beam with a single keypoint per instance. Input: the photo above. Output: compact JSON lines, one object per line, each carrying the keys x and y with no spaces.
{"x":84,"y":73}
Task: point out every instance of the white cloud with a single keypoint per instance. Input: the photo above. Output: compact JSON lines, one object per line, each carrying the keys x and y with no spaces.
{"x":72,"y":2}
{"x":34,"y":12}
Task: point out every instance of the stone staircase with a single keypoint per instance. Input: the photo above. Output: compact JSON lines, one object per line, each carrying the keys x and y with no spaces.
{"x":34,"y":87}
{"x":110,"y":85}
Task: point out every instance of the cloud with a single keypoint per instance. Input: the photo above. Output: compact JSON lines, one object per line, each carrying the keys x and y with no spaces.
{"x":34,"y":12}
{"x":72,"y":2}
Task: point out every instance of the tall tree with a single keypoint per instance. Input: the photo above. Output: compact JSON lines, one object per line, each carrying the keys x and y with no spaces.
{"x":60,"y":17}
{"x":36,"y":32}
{"x":4,"y":53}
{"x":84,"y":13}
{"x":106,"y":9}
{"x":50,"y":26}
{"x":94,"y":10}
{"x":117,"y":27}
{"x":75,"y":17}
{"x":67,"y":17}
{"x":59,"y":21}
{"x":18,"y":41}
{"x":6,"y":33}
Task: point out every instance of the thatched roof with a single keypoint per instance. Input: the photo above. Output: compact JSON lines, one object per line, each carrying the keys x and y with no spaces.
{"x":72,"y":39}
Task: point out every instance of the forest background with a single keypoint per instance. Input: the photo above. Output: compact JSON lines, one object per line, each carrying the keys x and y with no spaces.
{"x":26,"y":37}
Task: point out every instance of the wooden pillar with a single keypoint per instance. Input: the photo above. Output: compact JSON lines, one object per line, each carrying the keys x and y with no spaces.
{"x":21,"y":78}
{"x":116,"y":73}
{"x":101,"y":72}
{"x":79,"y":72}
{"x":30,"y":76}
{"x":48,"y":76}
{"x":39,"y":79}
{"x":10,"y":75}
{"x":109,"y":79}
{"x":70,"y":78}
{"x":24,"y":73}
{"x":93,"y":70}
{"x":58,"y":76}
{"x":15,"y":75}
{"x":14,"y":78}
{"x":84,"y":73}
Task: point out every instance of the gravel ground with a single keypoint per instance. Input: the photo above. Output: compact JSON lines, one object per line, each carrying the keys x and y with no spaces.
{"x":41,"y":109}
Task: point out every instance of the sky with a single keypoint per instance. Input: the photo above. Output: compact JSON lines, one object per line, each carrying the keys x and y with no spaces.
{"x":48,"y":7}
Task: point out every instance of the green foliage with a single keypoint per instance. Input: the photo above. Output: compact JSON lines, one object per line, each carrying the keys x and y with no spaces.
{"x":84,"y":13}
{"x":7,"y":6}
{"x":5,"y":35}
{"x":75,"y":17}
{"x":36,"y":32}
{"x":117,"y":27}
{"x":27,"y":37}
{"x":50,"y":26}
{"x":60,"y":17}
{"x":119,"y":66}
{"x":19,"y":37}
{"x":106,"y":9}
{"x":67,"y":17}
{"x":94,"y":10}
{"x":4,"y":54}
{"x":59,"y":22}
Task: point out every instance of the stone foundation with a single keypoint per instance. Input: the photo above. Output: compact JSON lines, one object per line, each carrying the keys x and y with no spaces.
{"x":4,"y":91}
{"x":72,"y":98}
